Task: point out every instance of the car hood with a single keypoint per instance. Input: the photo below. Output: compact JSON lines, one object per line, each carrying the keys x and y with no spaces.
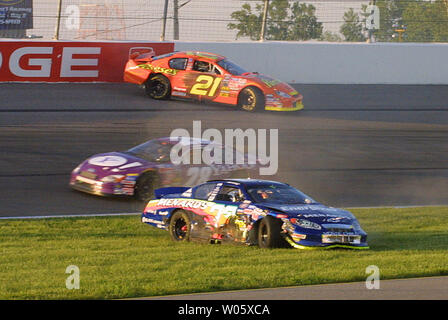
{"x":105,"y":164}
{"x":313,"y":212}
{"x":272,"y":83}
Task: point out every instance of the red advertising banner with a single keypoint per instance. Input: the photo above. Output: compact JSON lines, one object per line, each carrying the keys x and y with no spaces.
{"x":60,"y":61}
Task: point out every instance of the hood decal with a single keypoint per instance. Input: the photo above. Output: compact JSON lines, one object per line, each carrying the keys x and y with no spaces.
{"x":108,"y":161}
{"x":130,"y":165}
{"x":310,"y":211}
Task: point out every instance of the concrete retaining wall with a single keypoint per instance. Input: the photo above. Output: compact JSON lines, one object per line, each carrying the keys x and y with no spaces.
{"x":336,"y":63}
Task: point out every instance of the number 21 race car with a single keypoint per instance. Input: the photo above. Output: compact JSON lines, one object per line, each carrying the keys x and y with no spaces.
{"x":207,"y":76}
{"x":253,"y":212}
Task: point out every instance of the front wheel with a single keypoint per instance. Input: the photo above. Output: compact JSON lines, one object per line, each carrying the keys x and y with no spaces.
{"x":251,"y":99}
{"x":180,"y":226}
{"x":145,"y":186}
{"x":158,"y":87}
{"x":269,"y":233}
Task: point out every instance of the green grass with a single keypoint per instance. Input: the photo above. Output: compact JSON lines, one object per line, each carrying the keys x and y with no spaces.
{"x":120,"y":257}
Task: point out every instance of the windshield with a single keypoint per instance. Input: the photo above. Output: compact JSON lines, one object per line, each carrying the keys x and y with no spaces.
{"x":281,"y":194}
{"x":231,"y":67}
{"x":153,"y":151}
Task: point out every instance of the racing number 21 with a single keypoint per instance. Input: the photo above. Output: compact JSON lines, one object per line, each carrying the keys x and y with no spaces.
{"x":205,"y":85}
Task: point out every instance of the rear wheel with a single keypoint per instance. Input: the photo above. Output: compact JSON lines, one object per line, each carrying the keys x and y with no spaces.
{"x":251,"y":99}
{"x":180,"y":226}
{"x":145,"y":186}
{"x":269,"y":233}
{"x":158,"y":87}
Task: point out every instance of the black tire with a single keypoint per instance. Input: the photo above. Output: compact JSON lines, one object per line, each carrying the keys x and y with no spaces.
{"x":145,"y":186}
{"x":251,"y":99}
{"x":269,"y":233}
{"x":158,"y":87}
{"x":180,"y":226}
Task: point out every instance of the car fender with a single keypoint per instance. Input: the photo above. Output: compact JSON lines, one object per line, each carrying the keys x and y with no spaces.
{"x":255,"y":85}
{"x":135,"y":74}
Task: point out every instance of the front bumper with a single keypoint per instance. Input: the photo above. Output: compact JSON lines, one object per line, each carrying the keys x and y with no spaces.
{"x":298,"y":105}
{"x":340,"y":241}
{"x":99,"y":188}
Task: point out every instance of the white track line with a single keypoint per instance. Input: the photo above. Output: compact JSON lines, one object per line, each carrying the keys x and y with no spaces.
{"x":74,"y":216}
{"x":400,"y":207}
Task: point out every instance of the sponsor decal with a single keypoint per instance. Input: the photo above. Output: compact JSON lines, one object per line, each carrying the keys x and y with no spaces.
{"x":67,"y":61}
{"x":184,"y":203}
{"x":270,"y":82}
{"x":220,"y":213}
{"x":148,"y":220}
{"x":297,"y":237}
{"x":150,"y":67}
{"x":322,"y":211}
{"x":131,"y":177}
{"x":179,"y":93}
{"x":190,"y":64}
{"x":108,"y":161}
{"x":16,"y":14}
{"x":214,"y":192}
{"x":236,"y":84}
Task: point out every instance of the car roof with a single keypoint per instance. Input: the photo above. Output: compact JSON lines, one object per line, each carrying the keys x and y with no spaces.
{"x":200,"y":55}
{"x":183,"y":140}
{"x":250,"y":182}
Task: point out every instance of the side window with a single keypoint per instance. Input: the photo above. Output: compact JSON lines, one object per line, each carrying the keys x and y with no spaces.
{"x":202,"y":66}
{"x":204,"y":191}
{"x":178,"y":63}
{"x":163,"y":153}
{"x":228,"y":193}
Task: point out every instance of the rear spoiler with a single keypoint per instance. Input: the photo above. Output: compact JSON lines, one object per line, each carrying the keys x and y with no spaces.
{"x":161,"y":192}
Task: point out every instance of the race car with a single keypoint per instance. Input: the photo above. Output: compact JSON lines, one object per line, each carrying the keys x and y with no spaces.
{"x":253,"y":212}
{"x":210,"y":77}
{"x":140,"y":170}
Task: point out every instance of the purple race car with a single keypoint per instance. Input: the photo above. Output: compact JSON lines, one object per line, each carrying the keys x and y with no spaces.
{"x":146,"y":167}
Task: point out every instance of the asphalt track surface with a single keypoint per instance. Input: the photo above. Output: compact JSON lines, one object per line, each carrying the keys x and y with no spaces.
{"x":431,"y":288}
{"x":353,"y":145}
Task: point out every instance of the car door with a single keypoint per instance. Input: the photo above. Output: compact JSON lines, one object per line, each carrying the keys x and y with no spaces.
{"x":233,"y":225}
{"x":178,"y":87}
{"x":204,"y":80}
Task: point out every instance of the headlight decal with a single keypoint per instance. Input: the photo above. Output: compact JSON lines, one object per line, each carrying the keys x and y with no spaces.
{"x":282,"y":94}
{"x":306,"y":224}
{"x":113,"y":178}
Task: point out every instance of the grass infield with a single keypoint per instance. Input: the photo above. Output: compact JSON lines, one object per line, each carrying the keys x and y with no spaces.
{"x":120,"y":257}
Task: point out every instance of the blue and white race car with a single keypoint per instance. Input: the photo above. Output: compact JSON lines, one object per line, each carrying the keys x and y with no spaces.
{"x":254,"y":212}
